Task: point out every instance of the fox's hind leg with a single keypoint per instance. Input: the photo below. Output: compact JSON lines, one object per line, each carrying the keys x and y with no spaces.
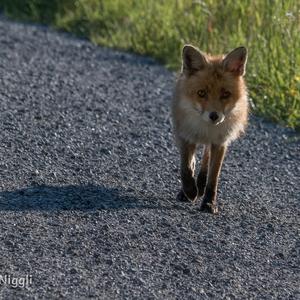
{"x":217,"y":153}
{"x":187,"y":170}
{"x":202,"y":176}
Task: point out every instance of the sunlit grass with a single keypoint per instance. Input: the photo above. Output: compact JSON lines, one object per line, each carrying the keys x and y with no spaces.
{"x":269,"y":29}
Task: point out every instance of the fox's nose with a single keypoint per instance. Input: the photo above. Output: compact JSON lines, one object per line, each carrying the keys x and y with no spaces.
{"x":213,"y":116}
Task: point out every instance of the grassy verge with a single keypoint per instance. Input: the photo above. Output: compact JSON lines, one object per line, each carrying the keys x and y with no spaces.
{"x":269,"y":28}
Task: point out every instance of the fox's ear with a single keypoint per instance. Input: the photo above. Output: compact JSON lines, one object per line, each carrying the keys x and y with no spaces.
{"x":192,"y":59}
{"x":235,"y":61}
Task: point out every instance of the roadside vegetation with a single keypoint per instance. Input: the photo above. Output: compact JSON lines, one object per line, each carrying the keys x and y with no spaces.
{"x":270,"y":29}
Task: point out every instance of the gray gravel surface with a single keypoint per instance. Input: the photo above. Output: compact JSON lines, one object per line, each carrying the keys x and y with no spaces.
{"x":89,"y":174}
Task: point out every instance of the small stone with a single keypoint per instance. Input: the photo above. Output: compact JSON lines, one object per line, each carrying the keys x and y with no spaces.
{"x":105,"y":151}
{"x":73,"y":271}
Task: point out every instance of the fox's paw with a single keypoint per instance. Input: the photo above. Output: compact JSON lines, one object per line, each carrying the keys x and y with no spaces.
{"x":211,"y":208}
{"x":183,"y":196}
{"x":191,"y":192}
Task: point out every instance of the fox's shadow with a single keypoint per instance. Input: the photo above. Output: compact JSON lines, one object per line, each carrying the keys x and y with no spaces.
{"x":71,"y":197}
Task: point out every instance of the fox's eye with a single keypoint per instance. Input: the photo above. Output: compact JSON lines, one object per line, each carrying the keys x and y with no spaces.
{"x":225,"y":94}
{"x":201,"y":93}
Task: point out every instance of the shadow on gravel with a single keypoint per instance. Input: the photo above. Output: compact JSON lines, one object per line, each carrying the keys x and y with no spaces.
{"x":70,"y":197}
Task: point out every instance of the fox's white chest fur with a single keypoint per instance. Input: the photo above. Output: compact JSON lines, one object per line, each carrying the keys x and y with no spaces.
{"x":192,"y":128}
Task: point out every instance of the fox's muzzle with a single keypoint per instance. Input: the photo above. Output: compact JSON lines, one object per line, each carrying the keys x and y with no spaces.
{"x":213,"y":117}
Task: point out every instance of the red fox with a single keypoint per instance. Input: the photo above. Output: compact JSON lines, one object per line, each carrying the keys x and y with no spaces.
{"x":210,"y":107}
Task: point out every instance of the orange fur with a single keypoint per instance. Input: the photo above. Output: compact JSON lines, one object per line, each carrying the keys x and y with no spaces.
{"x":210,"y":106}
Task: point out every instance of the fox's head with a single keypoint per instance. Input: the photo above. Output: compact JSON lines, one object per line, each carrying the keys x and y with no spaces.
{"x":212,"y":85}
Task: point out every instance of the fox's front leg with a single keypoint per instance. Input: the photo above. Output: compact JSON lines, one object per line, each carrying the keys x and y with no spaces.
{"x":209,"y":203}
{"x":187,"y":169}
{"x":202,"y":176}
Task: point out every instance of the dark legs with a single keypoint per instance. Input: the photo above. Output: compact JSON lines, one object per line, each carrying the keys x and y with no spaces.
{"x":217,"y":153}
{"x":187,"y":169}
{"x":202,"y":176}
{"x":207,"y":180}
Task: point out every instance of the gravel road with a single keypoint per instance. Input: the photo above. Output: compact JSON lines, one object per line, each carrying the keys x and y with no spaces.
{"x":89,"y":175}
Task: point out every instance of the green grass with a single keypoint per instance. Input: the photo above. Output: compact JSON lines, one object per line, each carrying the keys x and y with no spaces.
{"x":269,"y":28}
